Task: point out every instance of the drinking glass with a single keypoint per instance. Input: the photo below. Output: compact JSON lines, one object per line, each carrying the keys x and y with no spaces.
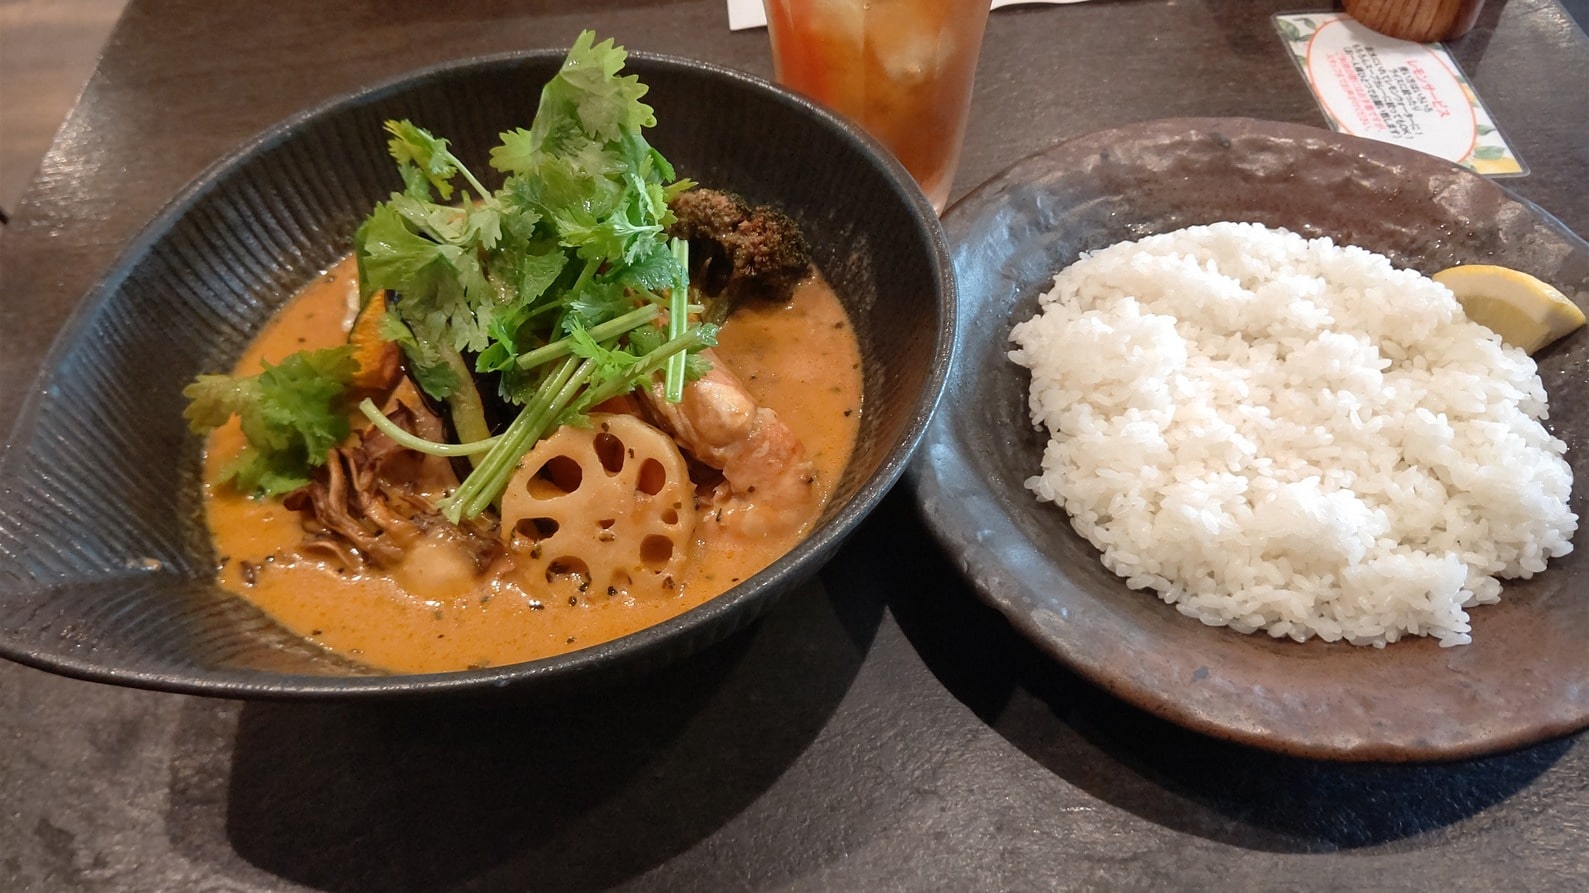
{"x":902,"y":69}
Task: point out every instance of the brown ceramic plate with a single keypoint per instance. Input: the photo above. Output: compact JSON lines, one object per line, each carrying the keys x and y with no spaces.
{"x":1526,"y":675}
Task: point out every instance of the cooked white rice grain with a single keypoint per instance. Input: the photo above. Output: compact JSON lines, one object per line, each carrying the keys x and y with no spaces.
{"x":1291,"y":435}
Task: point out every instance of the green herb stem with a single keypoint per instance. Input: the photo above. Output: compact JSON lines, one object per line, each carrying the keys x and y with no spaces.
{"x":484,"y":193}
{"x":678,"y":320}
{"x":612,"y":328}
{"x":586,"y":275}
{"x":417,"y":443}
{"x":693,"y":338}
{"x":468,"y":413}
{"x":491,"y":475}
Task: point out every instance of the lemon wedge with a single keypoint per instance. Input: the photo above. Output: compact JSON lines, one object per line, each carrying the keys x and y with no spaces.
{"x":1523,"y":310}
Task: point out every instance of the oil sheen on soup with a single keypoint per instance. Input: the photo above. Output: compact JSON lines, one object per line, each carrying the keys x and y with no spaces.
{"x":429,"y":614}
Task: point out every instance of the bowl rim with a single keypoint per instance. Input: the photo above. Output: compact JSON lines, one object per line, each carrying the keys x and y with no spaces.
{"x":749,"y":599}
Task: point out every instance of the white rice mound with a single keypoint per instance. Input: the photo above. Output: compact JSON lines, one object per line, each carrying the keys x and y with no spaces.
{"x":1290,"y":435}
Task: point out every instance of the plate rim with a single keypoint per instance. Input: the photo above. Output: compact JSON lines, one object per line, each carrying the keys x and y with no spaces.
{"x":975,"y":563}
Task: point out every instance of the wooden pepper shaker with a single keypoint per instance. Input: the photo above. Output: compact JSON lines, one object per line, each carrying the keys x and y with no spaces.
{"x":1424,"y":21}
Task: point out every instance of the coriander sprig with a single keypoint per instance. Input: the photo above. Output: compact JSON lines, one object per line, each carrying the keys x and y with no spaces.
{"x":567,"y":259}
{"x":549,"y":289}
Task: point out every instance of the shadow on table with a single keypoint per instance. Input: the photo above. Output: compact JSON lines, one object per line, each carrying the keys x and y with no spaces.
{"x":1177,"y":778}
{"x":575,"y":794}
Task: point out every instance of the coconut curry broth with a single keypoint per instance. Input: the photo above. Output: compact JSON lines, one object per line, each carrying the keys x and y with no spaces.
{"x":800,"y":359}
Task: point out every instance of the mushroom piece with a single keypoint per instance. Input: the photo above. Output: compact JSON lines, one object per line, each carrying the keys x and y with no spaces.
{"x":371,"y":501}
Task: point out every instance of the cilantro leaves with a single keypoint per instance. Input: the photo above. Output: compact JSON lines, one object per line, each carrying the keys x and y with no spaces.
{"x":559,"y":288}
{"x":292,"y":415}
{"x":538,"y":285}
{"x":572,"y":237}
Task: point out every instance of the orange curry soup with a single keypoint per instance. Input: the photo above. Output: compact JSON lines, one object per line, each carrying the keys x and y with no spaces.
{"x":800,"y":359}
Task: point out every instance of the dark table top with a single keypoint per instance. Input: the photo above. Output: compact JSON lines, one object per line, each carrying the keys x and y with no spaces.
{"x":881,"y":729}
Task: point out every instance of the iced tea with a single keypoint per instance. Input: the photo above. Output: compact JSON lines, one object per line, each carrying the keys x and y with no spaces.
{"x":902,"y":69}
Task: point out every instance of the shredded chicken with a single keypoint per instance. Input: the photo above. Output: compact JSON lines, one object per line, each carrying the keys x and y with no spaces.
{"x":371,"y":502}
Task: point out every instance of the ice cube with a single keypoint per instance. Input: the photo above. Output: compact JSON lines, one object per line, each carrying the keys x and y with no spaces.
{"x":911,"y":52}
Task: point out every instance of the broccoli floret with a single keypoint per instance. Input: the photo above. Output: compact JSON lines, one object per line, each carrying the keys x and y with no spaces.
{"x":739,"y":251}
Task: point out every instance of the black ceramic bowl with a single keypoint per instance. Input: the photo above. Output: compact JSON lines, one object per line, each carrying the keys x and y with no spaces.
{"x":106,"y":569}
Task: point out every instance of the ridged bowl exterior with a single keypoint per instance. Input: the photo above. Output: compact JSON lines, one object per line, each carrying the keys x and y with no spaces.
{"x":106,"y":568}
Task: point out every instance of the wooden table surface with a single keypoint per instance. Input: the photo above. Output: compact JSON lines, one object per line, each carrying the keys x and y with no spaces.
{"x":879,"y":730}
{"x":47,"y":51}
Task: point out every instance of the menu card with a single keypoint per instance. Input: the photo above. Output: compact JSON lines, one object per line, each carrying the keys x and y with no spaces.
{"x":1396,"y":91}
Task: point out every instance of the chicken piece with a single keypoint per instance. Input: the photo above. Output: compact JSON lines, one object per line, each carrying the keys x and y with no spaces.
{"x":769,"y":483}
